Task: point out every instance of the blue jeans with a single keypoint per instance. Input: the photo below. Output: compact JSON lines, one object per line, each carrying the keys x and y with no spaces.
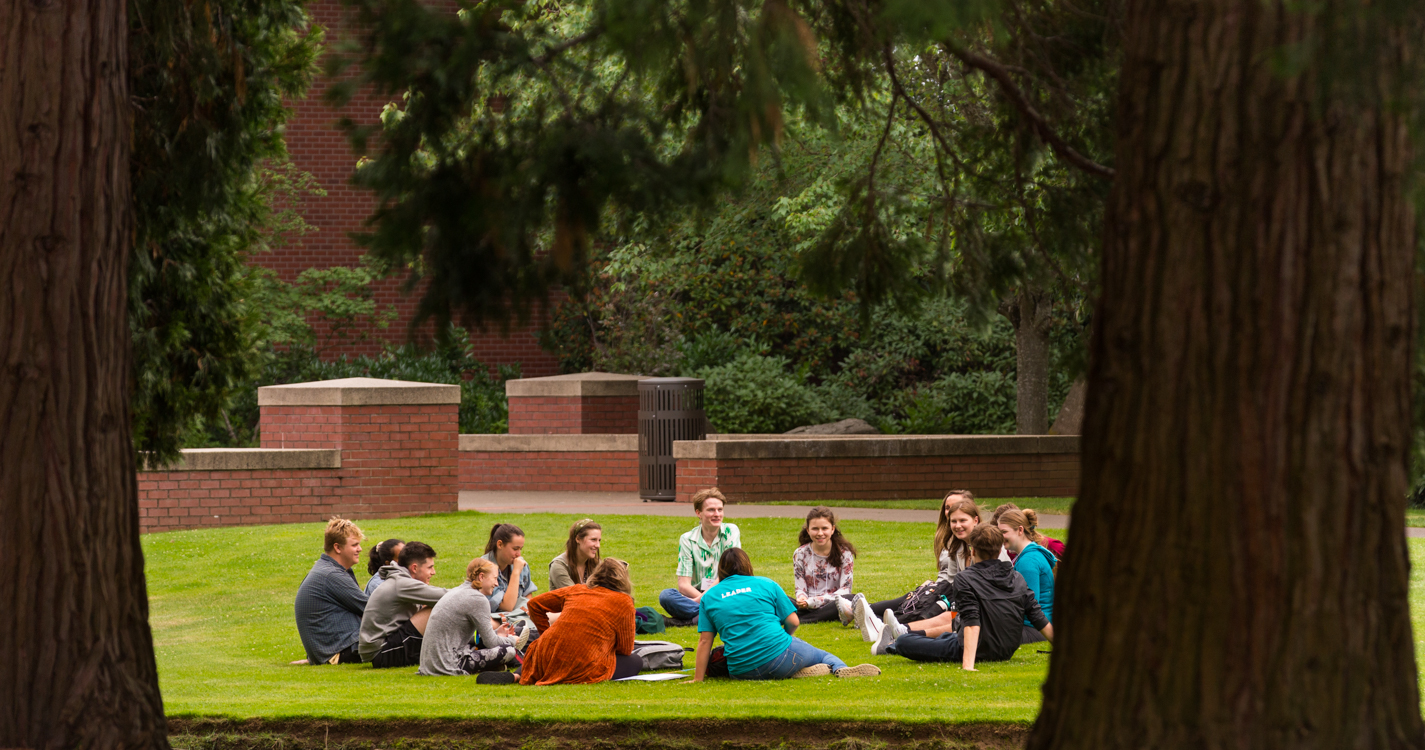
{"x":798,"y":656}
{"x":677,"y":605}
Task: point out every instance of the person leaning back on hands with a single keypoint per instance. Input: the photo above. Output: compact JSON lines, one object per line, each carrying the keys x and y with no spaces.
{"x":698,"y":553}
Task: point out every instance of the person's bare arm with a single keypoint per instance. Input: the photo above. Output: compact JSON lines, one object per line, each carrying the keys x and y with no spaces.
{"x":791,"y":623}
{"x":700,"y":662}
{"x":1048,"y":632}
{"x":512,"y":591}
{"x":685,"y":587}
{"x":971,"y":636}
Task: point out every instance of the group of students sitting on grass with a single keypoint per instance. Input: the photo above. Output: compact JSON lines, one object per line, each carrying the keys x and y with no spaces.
{"x":993,"y":592}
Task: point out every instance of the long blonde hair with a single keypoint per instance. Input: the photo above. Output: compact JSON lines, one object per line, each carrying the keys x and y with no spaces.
{"x":945,"y":540}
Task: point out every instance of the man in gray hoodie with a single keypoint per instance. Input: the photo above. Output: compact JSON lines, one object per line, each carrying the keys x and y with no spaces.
{"x":395,"y":620}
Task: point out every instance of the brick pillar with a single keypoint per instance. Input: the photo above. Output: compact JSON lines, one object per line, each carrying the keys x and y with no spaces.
{"x":399,"y":441}
{"x":586,"y":403}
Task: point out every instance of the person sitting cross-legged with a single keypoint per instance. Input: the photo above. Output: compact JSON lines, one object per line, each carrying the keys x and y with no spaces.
{"x":461,"y":615}
{"x":698,"y":553}
{"x":993,"y":602}
{"x":756,"y":620}
{"x":592,"y":641}
{"x":396,"y":615}
{"x":329,"y":602}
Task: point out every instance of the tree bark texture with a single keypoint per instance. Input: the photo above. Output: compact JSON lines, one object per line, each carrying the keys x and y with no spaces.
{"x":1071,"y":413}
{"x":78,"y":668}
{"x":1031,"y":312}
{"x":1240,"y":574}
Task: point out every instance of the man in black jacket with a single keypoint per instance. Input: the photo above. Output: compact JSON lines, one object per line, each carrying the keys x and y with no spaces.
{"x":993,"y":602}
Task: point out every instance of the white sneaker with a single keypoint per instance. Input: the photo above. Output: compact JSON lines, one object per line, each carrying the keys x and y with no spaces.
{"x":889,"y":622}
{"x":843,"y":610}
{"x":884,"y":639}
{"x":522,"y":640}
{"x":868,"y":624}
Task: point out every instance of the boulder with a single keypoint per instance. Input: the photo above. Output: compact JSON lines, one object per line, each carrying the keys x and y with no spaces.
{"x":844,"y":427}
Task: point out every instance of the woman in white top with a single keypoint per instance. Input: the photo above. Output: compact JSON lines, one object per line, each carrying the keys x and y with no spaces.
{"x":822,"y":569}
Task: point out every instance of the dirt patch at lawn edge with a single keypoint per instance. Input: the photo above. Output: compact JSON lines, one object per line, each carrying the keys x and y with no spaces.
{"x":692,"y":734}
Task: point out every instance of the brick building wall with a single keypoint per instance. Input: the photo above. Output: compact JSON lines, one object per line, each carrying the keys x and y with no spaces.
{"x":587,"y":471}
{"x":317,"y":147}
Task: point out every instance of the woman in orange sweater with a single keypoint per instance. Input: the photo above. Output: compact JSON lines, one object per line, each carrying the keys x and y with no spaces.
{"x":592,"y":639}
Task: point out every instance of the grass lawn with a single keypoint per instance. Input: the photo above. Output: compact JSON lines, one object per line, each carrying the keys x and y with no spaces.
{"x":221,"y":612}
{"x":1048,"y":505}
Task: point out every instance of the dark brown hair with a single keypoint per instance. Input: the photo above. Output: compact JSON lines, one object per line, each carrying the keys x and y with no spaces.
{"x":945,"y":540}
{"x":1000,"y":511}
{"x":501,"y":533}
{"x":839,"y":543}
{"x":987,"y":541}
{"x":734,"y":562}
{"x":382,"y":554}
{"x":415,"y":552}
{"x":571,"y":550}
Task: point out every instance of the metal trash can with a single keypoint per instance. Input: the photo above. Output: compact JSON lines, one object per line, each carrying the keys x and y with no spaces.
{"x":668,"y":409}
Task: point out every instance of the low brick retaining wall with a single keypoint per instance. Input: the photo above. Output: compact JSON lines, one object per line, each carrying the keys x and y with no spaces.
{"x":356,"y":447}
{"x":751,"y":468}
{"x":537,"y":463}
{"x":588,"y":403}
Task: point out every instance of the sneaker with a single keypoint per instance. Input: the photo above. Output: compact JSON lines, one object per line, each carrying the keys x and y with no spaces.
{"x":884,"y":640}
{"x":868,"y":624}
{"x":889,"y":622}
{"x":860,"y":670}
{"x":522,"y":640}
{"x":815,"y":670}
{"x":843,"y":610}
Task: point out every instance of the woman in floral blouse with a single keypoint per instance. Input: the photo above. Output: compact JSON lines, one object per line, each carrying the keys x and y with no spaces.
{"x":821,"y":569}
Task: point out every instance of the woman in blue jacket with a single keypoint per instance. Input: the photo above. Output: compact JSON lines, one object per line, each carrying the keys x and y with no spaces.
{"x":756,"y":620}
{"x":1032,"y":561}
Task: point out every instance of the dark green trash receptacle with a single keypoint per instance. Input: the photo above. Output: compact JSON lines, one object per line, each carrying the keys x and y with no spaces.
{"x":668,"y":409}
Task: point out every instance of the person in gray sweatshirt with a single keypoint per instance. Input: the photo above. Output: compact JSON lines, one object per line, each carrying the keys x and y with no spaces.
{"x":448,"y":648}
{"x":396,"y":615}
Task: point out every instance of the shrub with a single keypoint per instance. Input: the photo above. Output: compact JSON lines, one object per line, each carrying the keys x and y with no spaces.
{"x":972,"y":403}
{"x":757,"y":394}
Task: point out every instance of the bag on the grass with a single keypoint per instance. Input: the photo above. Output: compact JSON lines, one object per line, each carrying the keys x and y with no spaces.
{"x":659,"y":654}
{"x":927,"y":601}
{"x":647,"y":620}
{"x":717,"y":663}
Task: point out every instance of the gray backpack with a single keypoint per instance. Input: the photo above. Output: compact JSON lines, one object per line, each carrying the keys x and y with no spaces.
{"x":659,"y":654}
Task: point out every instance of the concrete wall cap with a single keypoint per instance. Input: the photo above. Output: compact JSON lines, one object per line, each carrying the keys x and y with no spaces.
{"x":252,"y":459}
{"x":549,"y":443}
{"x":864,"y":446}
{"x":576,"y":384}
{"x":357,"y":392}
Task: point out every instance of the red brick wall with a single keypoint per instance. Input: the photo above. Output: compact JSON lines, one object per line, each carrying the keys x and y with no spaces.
{"x":396,"y":461}
{"x":881,"y":478}
{"x":602,"y":471}
{"x":300,"y":426}
{"x":317,"y":147}
{"x":573,"y":415}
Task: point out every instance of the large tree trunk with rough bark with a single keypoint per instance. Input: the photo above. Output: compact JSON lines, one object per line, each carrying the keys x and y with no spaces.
{"x":1240,"y":573}
{"x":78,"y":668}
{"x":1031,"y":312}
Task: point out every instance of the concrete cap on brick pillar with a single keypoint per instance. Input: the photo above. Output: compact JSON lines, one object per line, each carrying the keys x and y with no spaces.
{"x":577,"y":384}
{"x":357,"y":392}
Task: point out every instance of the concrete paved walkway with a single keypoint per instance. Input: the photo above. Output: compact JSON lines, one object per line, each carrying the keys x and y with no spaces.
{"x":629,"y":504}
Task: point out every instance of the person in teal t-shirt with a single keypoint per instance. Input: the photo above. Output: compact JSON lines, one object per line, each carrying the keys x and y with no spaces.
{"x":1032,"y":561}
{"x":756,"y":619}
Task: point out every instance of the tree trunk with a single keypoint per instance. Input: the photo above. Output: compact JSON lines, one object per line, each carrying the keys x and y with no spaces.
{"x":1071,"y":413}
{"x":1031,"y":313}
{"x":1240,"y":574}
{"x":78,"y":668}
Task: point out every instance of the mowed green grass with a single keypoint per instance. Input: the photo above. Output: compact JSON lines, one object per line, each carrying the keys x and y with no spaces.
{"x":1047,"y":505}
{"x":221,"y":611}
